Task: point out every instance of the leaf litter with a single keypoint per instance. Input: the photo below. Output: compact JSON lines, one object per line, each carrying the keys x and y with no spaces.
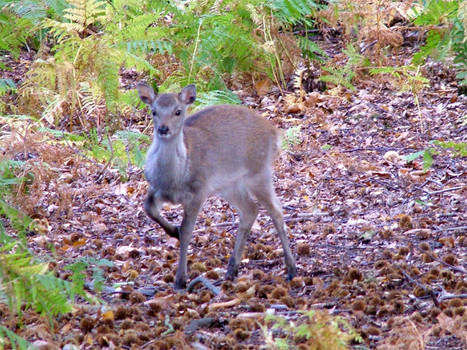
{"x":379,"y":240}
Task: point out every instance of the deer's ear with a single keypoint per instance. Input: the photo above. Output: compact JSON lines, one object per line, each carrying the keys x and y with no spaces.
{"x":146,"y":93}
{"x":188,"y":94}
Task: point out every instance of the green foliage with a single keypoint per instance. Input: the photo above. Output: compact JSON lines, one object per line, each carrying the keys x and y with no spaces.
{"x":292,"y":137}
{"x":427,"y":155}
{"x":77,"y":18}
{"x":457,"y":149}
{"x":447,"y":21}
{"x":436,"y":12}
{"x":8,"y":181}
{"x":408,"y":78}
{"x":216,"y":97}
{"x":202,"y":41}
{"x":27,"y":283}
{"x":311,"y":50}
{"x":95,"y":265}
{"x":295,"y":11}
{"x":15,"y":340}
{"x":459,"y":43}
{"x":7,"y":85}
{"x":344,"y":75}
{"x":19,"y":21}
{"x":121,"y":150}
{"x":13,"y":33}
{"x":318,"y":330}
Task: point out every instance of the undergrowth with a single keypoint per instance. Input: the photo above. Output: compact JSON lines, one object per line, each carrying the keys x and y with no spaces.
{"x":206,"y":42}
{"x":315,"y":330}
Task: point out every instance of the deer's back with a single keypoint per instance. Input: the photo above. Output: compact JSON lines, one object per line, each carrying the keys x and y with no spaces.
{"x":230,"y":139}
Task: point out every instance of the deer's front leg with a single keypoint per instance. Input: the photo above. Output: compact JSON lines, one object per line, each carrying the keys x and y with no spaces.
{"x":186,"y":230}
{"x":152,"y":206}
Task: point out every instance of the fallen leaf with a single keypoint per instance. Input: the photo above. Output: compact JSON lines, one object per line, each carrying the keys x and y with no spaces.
{"x":226,"y":304}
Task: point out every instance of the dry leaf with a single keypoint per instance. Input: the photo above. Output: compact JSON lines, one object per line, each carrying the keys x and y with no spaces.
{"x":226,"y":304}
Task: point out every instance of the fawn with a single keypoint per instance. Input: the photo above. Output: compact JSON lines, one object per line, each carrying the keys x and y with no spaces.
{"x":226,"y":150}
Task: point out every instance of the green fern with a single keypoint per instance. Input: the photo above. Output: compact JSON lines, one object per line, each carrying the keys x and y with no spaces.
{"x":295,"y":11}
{"x":449,"y":36}
{"x":8,"y":180}
{"x":437,"y":12}
{"x":148,"y":46}
{"x":311,"y":50}
{"x":81,"y":14}
{"x":14,"y":340}
{"x":7,"y":85}
{"x":27,"y":283}
{"x":34,"y":10}
{"x":216,"y":97}
{"x":13,"y":33}
{"x":344,"y":75}
{"x":19,"y":21}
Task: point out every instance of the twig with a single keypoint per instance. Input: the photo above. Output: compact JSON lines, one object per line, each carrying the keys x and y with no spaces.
{"x":377,"y":149}
{"x":287,"y":218}
{"x":446,"y":296}
{"x":427,"y":290}
{"x":195,"y":50}
{"x":200,"y":279}
{"x":303,"y":31}
{"x":112,"y":154}
{"x":222,"y":224}
{"x":452,"y":228}
{"x":452,"y":267}
{"x":445,"y":190}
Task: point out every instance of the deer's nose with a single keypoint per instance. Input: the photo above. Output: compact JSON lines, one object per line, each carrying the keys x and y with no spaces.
{"x":163,"y":130}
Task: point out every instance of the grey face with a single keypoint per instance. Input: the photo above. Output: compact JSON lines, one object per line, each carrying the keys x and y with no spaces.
{"x":168,"y":110}
{"x":168,"y":114}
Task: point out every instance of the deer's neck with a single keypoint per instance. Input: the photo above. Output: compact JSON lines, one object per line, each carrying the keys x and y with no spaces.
{"x":166,"y":163}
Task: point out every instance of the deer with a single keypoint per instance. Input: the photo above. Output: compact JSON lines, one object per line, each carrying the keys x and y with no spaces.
{"x":224,"y":150}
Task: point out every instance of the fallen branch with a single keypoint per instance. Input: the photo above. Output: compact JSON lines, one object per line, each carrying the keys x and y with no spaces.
{"x":203,"y":280}
{"x":427,"y":290}
{"x":446,"y":296}
{"x":445,"y":190}
{"x":452,"y":228}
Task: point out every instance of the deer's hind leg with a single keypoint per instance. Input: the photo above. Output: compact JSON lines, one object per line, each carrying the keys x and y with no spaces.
{"x":266,"y":196}
{"x":242,"y":200}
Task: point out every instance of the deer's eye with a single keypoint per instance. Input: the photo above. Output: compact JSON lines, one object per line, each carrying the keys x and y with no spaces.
{"x":154,"y":113}
{"x":178,"y":112}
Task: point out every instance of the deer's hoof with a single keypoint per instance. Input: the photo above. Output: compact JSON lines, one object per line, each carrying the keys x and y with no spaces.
{"x":291,"y":273}
{"x":180,"y":284}
{"x":232,"y":270}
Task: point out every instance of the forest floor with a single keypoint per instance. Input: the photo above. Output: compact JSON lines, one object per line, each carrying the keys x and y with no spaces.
{"x":378,"y":240}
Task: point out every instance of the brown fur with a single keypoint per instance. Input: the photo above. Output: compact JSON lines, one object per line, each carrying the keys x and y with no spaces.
{"x":225,"y":150}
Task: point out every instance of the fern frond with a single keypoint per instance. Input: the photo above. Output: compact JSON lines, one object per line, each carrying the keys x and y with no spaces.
{"x":311,"y":50}
{"x":13,"y":33}
{"x":28,"y":283}
{"x":7,"y":85}
{"x":81,"y":14}
{"x":216,"y":97}
{"x":15,"y":340}
{"x":34,"y":10}
{"x":295,"y":11}
{"x":148,"y":46}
